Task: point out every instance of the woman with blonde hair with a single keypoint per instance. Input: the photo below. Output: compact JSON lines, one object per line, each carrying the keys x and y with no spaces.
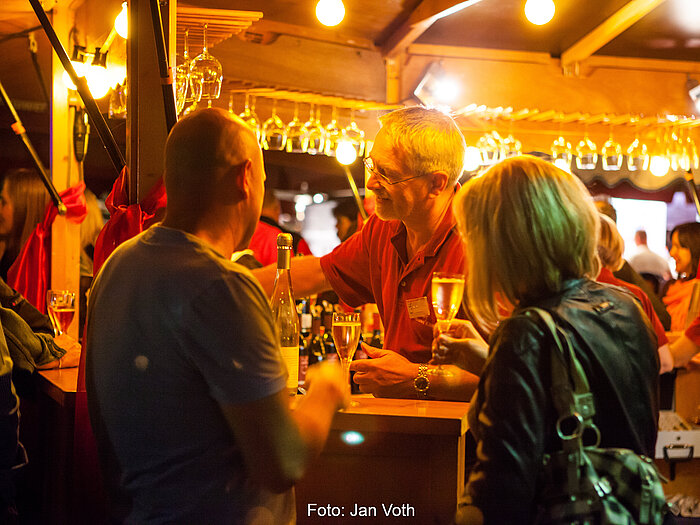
{"x":610,"y":249}
{"x":531,"y":233}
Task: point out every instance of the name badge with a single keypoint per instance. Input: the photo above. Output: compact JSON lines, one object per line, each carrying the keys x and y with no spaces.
{"x":418,"y":307}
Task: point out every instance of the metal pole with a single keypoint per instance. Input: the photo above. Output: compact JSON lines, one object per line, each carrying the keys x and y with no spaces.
{"x":693,"y":189}
{"x":19,"y":130}
{"x":93,"y":111}
{"x":355,"y":192}
{"x":166,"y":79}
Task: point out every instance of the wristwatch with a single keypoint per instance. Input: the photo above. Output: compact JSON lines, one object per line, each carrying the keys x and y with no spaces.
{"x":421,"y":383}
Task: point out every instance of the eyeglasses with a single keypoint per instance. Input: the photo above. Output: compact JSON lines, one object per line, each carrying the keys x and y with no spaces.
{"x":373,"y":169}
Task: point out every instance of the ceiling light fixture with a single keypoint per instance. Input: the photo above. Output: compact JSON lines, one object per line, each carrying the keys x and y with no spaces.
{"x":330,"y":12}
{"x":437,"y":88}
{"x":693,"y":87}
{"x":539,"y":12}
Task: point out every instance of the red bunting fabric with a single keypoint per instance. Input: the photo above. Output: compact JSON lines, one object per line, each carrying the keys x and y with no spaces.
{"x":126,"y":220}
{"x":30,"y":274}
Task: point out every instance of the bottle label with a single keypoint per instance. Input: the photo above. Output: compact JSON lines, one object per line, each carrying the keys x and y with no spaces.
{"x":303,"y":367}
{"x":290,"y":355}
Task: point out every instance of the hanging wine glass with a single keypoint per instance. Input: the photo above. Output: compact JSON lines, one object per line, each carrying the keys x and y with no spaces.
{"x":637,"y":154}
{"x":673,"y":152}
{"x":188,"y":83}
{"x":210,"y":70}
{"x":354,"y":134}
{"x":586,"y":153}
{"x":612,"y":154}
{"x":274,"y":131}
{"x":333,"y":134}
{"x":692,"y":152}
{"x":297,"y":134}
{"x":316,"y":132}
{"x":561,"y":152}
{"x":249,"y":117}
{"x":490,"y":148}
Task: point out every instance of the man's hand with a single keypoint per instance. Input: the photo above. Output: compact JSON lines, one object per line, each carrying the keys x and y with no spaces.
{"x":386,"y":374}
{"x":330,"y":378}
{"x":70,"y":359}
{"x":461,"y":346}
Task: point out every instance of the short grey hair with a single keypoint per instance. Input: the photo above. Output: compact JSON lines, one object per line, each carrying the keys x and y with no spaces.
{"x":425,"y":140}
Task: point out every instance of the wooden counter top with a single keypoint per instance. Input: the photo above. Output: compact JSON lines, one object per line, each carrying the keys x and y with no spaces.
{"x":60,"y":385}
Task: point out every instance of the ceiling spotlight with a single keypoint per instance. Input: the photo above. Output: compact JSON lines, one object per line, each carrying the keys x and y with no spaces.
{"x":437,"y":88}
{"x":539,"y":12}
{"x":330,"y":12}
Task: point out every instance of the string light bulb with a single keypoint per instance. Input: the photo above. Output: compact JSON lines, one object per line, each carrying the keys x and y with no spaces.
{"x":659,"y":165}
{"x":539,"y":12}
{"x":472,"y":159}
{"x":330,"y":12}
{"x":346,"y":153}
{"x":121,"y":22}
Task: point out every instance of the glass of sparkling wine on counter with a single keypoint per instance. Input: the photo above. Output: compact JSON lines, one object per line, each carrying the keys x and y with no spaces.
{"x":61,"y":306}
{"x":447,"y":291}
{"x":346,"y":335}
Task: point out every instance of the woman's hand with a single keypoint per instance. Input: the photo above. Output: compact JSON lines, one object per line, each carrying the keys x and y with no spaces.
{"x":461,"y":345}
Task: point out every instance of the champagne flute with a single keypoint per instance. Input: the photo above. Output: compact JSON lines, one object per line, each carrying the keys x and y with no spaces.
{"x":61,"y":307}
{"x":346,"y":335}
{"x":586,"y":153}
{"x":297,"y":134}
{"x":316,"y":132}
{"x":333,"y":133}
{"x":210,"y":70}
{"x":355,"y":135}
{"x":637,"y":154}
{"x":274,"y":131}
{"x":612,"y":154}
{"x":447,"y":292}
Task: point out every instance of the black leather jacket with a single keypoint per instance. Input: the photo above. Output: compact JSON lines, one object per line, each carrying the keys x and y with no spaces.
{"x":512,"y":415}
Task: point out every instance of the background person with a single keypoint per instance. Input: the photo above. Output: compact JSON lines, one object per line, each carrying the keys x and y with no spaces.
{"x":415,"y":162}
{"x":648,"y":264}
{"x":185,"y":380}
{"x":546,"y":239}
{"x":685,"y":250}
{"x":345,"y":213}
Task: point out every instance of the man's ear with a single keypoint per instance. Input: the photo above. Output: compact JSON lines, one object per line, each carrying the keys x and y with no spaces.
{"x":242,"y":174}
{"x":438,"y":183}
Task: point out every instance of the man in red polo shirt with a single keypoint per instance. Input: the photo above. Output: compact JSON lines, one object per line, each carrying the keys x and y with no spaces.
{"x":416,"y":160}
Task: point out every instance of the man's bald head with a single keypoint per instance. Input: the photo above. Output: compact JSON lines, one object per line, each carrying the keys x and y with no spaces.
{"x":200,"y":147}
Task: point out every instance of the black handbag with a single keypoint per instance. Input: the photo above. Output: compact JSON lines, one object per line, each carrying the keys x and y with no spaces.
{"x":588,"y":485}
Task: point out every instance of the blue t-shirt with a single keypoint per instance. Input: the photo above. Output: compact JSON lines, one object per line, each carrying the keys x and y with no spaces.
{"x":175,"y":330}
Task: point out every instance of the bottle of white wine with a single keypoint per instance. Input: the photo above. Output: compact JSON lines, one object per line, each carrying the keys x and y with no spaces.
{"x":284,"y":312}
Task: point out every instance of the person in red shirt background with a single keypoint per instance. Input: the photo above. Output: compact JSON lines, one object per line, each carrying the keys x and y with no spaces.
{"x":264,"y":241}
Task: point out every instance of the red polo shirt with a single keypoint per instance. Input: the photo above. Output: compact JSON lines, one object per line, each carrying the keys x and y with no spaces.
{"x":606,"y":276}
{"x":372,"y":266}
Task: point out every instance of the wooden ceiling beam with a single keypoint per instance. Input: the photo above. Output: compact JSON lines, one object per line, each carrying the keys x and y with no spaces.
{"x":422,"y":17}
{"x":621,"y":20}
{"x":310,"y":33}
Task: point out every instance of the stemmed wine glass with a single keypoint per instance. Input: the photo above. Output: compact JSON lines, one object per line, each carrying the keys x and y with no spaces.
{"x":274,"y":131}
{"x":692,"y":151}
{"x":210,"y":70}
{"x":333,"y":134}
{"x":447,"y":292}
{"x":249,"y":117}
{"x":354,"y":134}
{"x":637,"y":154}
{"x":61,"y":307}
{"x":188,"y":83}
{"x":316,"y":132}
{"x":561,"y":152}
{"x":297,"y":134}
{"x":490,"y":148}
{"x":586,"y":153}
{"x":612,"y":154}
{"x":346,"y":336}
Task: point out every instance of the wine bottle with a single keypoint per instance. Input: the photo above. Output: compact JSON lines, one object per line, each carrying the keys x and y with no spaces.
{"x":327,"y":331}
{"x":284,"y":312}
{"x":304,"y":342}
{"x":317,"y":351}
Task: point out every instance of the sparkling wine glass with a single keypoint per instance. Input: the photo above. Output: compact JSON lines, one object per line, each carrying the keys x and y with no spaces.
{"x":346,"y":336}
{"x":561,"y":151}
{"x":274,"y":131}
{"x":586,"y":153}
{"x":249,"y":117}
{"x":637,"y":154}
{"x":192,"y":87}
{"x":61,"y":307}
{"x":355,"y":135}
{"x":316,"y":132}
{"x":490,"y":147}
{"x":612,"y":154}
{"x":210,"y":70}
{"x":333,"y":134}
{"x":447,"y":292}
{"x":512,"y":147}
{"x":297,"y":134}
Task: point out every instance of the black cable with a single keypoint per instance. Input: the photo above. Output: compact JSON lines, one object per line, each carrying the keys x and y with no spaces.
{"x":37,"y":68}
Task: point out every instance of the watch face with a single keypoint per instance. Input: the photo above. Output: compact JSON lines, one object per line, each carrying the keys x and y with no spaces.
{"x":421,"y":383}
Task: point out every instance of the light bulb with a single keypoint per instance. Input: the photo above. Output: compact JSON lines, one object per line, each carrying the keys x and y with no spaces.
{"x":446,"y":90}
{"x":659,"y":165}
{"x":472,"y":159}
{"x":345,"y":152}
{"x":539,"y":12}
{"x":330,"y":12}
{"x":79,"y":70}
{"x":121,"y":22}
{"x":98,"y":80}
